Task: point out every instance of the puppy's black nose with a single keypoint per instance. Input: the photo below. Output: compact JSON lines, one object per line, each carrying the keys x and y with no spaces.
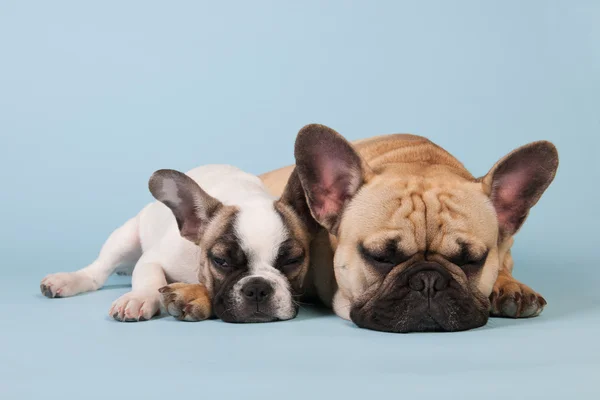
{"x":257,"y":289}
{"x":428,"y":281}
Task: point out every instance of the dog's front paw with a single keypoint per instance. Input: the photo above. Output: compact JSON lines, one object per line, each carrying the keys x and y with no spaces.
{"x":135,"y":306}
{"x":65,"y":284}
{"x":186,"y":302}
{"x":510,"y":298}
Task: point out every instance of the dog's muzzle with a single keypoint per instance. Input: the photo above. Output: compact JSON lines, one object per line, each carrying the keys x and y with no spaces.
{"x":423,"y":297}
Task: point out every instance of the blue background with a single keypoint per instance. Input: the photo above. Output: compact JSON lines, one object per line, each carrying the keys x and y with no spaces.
{"x":95,"y":96}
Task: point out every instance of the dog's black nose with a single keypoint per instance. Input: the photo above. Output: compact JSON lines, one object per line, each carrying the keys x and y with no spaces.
{"x":428,"y":280}
{"x":257,"y":289}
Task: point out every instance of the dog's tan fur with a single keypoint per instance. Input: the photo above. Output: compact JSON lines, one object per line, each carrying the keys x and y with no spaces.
{"x":187,"y":302}
{"x":416,"y":193}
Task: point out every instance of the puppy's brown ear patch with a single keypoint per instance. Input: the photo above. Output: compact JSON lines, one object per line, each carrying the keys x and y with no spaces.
{"x":516,"y":182}
{"x":294,"y":197}
{"x":330,"y":170}
{"x":193,"y":207}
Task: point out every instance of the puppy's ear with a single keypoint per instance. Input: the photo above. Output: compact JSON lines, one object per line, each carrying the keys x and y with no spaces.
{"x":193,"y":207}
{"x":331,"y":172}
{"x":294,"y":197}
{"x":516,"y":182}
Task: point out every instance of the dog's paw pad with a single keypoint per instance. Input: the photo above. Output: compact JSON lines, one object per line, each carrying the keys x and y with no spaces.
{"x":186,"y":302}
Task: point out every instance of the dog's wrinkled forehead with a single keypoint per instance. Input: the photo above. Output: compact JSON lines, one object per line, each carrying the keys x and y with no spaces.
{"x":427,"y":214}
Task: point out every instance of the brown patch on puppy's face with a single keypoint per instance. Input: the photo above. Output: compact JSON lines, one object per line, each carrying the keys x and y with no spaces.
{"x":419,"y":243}
{"x":293,"y":257}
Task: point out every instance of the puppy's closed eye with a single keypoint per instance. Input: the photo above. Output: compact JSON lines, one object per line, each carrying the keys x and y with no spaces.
{"x":290,"y":256}
{"x":290,"y":264}
{"x":220,"y":262}
{"x":226,"y":256}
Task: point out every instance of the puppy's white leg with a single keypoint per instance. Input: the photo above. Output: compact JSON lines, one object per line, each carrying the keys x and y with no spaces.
{"x":121,"y":248}
{"x":143,"y":302}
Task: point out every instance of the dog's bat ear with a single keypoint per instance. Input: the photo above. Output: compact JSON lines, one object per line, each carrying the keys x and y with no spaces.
{"x":294,"y":197}
{"x":193,"y":207}
{"x":517,"y":181}
{"x":330,"y":171}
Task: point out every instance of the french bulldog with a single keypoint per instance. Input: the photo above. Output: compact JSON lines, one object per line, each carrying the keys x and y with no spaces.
{"x":418,"y":243}
{"x":229,"y":248}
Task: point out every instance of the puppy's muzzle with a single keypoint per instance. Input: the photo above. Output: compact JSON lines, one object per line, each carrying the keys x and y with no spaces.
{"x":257,"y":290}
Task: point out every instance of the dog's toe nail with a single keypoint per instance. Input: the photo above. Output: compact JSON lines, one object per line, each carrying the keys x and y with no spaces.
{"x":501,"y":292}
{"x":542,"y":301}
{"x":46,"y":290}
{"x":532,"y":298}
{"x":517,"y":297}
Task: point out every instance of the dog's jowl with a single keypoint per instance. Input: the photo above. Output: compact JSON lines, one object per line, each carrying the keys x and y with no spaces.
{"x":420,"y":244}
{"x":231,"y":249}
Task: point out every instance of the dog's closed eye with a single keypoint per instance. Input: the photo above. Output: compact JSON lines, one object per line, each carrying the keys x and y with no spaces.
{"x":226,"y":255}
{"x":469,"y":258}
{"x":220,"y":262}
{"x":384,"y":259}
{"x":290,"y":256}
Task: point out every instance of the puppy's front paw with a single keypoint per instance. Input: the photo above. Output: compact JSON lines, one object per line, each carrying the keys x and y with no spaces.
{"x":65,"y":284}
{"x":186,"y":302}
{"x":135,"y":306}
{"x":510,"y":298}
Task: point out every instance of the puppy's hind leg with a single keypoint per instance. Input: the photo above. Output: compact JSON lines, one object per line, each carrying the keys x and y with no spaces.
{"x":121,"y":248}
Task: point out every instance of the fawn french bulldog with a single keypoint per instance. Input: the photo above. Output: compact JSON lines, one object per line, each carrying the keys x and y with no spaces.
{"x":419,"y":243}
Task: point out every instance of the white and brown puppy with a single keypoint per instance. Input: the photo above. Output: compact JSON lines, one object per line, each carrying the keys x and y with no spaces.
{"x":420,"y":244}
{"x":234,"y":250}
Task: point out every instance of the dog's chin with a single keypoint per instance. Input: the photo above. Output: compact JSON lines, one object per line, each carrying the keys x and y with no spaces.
{"x":252,"y":314}
{"x":413,"y":313}
{"x":258,"y":317}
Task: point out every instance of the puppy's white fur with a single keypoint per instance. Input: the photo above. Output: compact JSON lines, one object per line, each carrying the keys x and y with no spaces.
{"x":151,"y":242}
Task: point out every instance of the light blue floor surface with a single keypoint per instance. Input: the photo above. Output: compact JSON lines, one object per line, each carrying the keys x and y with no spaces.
{"x":71,"y":349}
